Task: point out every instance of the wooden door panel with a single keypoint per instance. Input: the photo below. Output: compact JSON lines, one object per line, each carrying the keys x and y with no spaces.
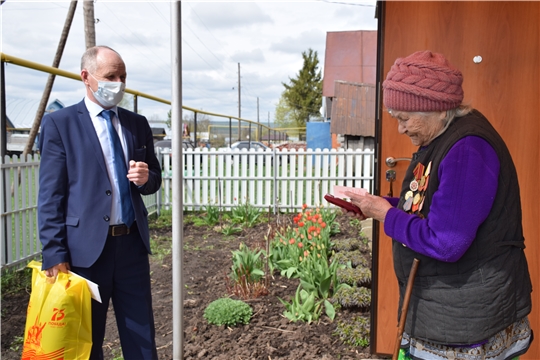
{"x":504,"y":87}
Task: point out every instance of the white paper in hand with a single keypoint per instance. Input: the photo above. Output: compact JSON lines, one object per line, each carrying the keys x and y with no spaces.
{"x":339,"y":191}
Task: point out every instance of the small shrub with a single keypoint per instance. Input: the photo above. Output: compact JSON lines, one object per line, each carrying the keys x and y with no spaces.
{"x":354,"y":331}
{"x":355,"y":257}
{"x":359,"y":276}
{"x":353,"y":296}
{"x":347,"y":244}
{"x":229,"y":312}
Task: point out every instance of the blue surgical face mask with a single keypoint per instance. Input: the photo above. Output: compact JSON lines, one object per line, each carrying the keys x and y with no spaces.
{"x":109,"y":93}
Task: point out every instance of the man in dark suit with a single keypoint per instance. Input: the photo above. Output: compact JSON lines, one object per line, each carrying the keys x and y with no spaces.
{"x":95,"y":165}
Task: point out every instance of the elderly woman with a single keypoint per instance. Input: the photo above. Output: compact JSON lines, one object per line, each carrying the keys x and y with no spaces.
{"x":459,"y":213}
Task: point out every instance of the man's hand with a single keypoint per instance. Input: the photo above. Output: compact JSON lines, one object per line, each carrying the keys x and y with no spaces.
{"x":138,"y":172}
{"x":62,"y":267}
{"x":372,"y":206}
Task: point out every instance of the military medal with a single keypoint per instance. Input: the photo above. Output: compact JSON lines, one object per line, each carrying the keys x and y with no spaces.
{"x":408,"y":203}
{"x":408,"y":194}
{"x":413,"y":185}
{"x":428,"y":169}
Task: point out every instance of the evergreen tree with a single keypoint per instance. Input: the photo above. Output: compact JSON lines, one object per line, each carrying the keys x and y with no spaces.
{"x":303,"y":94}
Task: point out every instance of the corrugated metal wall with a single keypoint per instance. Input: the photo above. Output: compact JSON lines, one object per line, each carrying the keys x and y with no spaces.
{"x":353,"y":109}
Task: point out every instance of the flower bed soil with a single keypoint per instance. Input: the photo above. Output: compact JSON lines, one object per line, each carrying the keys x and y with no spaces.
{"x":206,"y":263}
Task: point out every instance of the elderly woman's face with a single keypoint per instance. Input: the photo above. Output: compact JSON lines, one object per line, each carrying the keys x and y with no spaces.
{"x":421,"y":128}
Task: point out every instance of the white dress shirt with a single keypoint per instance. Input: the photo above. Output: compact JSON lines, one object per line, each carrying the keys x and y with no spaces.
{"x":103,"y":135}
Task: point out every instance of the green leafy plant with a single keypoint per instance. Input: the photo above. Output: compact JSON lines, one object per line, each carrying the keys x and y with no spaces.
{"x":302,"y":307}
{"x":230,"y":229}
{"x":320,"y":277}
{"x":245,"y":214}
{"x":229,"y":312}
{"x":247,"y":263}
{"x":247,"y":273}
{"x":211,"y":215}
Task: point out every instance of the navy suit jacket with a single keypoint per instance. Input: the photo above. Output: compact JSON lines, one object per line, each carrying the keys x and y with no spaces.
{"x":74,"y":202}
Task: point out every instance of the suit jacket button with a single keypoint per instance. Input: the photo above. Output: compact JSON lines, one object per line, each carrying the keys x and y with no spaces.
{"x":106,"y":218}
{"x":108,"y":192}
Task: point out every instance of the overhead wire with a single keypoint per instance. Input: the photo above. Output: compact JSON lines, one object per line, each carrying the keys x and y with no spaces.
{"x":244,"y":85}
{"x":166,"y":69}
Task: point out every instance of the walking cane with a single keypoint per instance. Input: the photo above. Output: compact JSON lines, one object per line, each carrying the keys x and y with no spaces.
{"x":405,"y":308}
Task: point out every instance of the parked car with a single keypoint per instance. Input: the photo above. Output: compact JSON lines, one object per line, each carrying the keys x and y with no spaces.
{"x":248,"y":145}
{"x":167,"y":143}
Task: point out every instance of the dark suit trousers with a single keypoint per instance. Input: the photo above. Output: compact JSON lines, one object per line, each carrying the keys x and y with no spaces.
{"x":123,"y":274}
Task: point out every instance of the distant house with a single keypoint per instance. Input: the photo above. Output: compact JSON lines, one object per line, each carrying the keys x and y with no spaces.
{"x":349,"y":87}
{"x":20,"y":115}
{"x":158,"y":133}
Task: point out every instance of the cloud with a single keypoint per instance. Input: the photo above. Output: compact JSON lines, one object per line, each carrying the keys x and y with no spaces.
{"x":312,"y":38}
{"x":228,"y":15}
{"x":253,"y":56}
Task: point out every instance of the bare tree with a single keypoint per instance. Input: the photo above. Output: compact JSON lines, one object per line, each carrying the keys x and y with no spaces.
{"x":50,"y":80}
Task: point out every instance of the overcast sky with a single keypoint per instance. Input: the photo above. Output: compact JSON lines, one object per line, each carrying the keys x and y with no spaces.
{"x":266,"y":38}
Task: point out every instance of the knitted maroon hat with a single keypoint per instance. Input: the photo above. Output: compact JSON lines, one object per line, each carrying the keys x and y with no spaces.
{"x":423,"y":81}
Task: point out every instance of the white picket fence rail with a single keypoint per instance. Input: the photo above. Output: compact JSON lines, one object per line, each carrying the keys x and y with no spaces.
{"x":226,"y":177}
{"x":222,"y":177}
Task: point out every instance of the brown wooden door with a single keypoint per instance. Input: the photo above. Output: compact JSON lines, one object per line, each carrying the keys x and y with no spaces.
{"x":504,"y":87}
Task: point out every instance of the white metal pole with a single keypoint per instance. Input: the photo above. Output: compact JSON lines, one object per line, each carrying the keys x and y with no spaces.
{"x":177,"y":180}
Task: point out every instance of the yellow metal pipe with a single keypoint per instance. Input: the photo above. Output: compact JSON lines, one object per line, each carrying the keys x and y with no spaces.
{"x":52,"y":70}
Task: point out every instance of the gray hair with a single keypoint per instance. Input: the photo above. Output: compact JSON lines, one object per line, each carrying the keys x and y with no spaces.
{"x":451,"y":114}
{"x":89,"y":58}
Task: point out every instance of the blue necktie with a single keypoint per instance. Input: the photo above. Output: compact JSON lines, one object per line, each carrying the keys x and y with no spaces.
{"x":128,"y":216}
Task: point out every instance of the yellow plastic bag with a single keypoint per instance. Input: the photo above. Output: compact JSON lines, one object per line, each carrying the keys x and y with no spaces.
{"x":59,"y":317}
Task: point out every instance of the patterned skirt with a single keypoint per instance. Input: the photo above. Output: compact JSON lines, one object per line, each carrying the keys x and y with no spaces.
{"x":506,"y":344}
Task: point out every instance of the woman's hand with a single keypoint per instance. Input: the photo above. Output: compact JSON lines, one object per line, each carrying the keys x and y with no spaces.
{"x":372,"y":206}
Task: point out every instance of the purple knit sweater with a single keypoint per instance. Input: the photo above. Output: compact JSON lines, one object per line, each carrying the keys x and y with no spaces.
{"x":468,"y":184}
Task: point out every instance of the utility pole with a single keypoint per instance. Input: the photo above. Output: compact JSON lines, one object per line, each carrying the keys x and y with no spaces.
{"x":89,"y":24}
{"x":258,"y":122}
{"x":269,"y":127}
{"x":239,"y":107}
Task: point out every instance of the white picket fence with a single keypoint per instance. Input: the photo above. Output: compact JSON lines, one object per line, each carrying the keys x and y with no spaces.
{"x":226,"y":177}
